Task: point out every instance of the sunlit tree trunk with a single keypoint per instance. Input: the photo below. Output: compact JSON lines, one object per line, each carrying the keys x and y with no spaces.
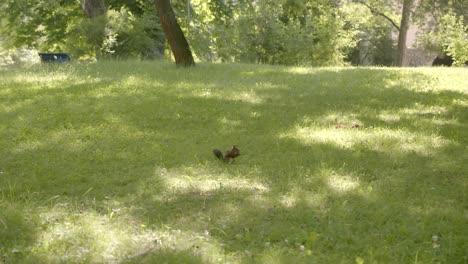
{"x":177,"y":41}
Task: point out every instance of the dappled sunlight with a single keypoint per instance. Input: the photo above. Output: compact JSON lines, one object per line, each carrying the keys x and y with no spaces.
{"x":388,"y":117}
{"x":460,"y":102}
{"x":27,"y":146}
{"x":301,"y":70}
{"x":210,"y":91}
{"x":52,"y":77}
{"x":203,"y":93}
{"x":55,"y":79}
{"x":288,"y":200}
{"x":376,"y":139}
{"x":412,"y":79}
{"x":248,"y":97}
{"x":113,"y":163}
{"x":443,"y":122}
{"x":331,"y":119}
{"x":451,"y":79}
{"x":298,"y":195}
{"x":196,"y":89}
{"x":268,"y":85}
{"x":431,"y":114}
{"x":311,"y":70}
{"x":136,"y":84}
{"x":9,"y":107}
{"x":343,"y":183}
{"x":419,"y":109}
{"x":71,"y":235}
{"x":134,"y":80}
{"x":203,"y":180}
{"x":75,"y":235}
{"x":229,"y":123}
{"x":315,"y":199}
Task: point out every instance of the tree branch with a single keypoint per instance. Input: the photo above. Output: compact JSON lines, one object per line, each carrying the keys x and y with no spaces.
{"x":375,"y":11}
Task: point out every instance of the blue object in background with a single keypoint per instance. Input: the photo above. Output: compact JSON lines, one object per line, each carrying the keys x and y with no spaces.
{"x":54,"y":57}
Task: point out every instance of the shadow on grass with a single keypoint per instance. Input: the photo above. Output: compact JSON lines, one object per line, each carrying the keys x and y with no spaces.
{"x":134,"y":142}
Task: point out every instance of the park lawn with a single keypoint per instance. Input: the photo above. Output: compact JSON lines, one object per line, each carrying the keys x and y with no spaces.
{"x":112,"y":162}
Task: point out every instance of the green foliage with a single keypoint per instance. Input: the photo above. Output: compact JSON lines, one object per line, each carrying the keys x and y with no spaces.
{"x":126,"y":35}
{"x":450,"y":37}
{"x":111,"y":162}
{"x":39,"y":24}
{"x":446,"y":29}
{"x":272,"y":32}
{"x":56,"y":26}
{"x":131,"y":36}
{"x":435,"y":9}
{"x":85,"y":37}
{"x":18,"y":57}
{"x":288,"y":32}
{"x":454,"y":38}
{"x":376,"y":46}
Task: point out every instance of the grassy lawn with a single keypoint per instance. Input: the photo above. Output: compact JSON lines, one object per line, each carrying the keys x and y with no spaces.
{"x":112,"y":162}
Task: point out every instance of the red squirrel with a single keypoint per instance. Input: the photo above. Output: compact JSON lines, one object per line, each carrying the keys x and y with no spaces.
{"x":230,"y":154}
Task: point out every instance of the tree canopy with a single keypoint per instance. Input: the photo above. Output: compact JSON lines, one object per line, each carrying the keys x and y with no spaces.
{"x":289,"y":32}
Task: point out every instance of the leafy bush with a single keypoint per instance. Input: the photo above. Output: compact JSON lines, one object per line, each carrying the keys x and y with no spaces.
{"x":128,"y":35}
{"x":449,"y":36}
{"x":271,"y":32}
{"x":454,"y":37}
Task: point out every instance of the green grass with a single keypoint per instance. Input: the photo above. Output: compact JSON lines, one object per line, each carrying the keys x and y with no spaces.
{"x":99,"y":163}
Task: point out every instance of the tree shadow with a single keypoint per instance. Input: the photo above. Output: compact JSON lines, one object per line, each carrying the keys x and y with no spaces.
{"x":341,"y":199}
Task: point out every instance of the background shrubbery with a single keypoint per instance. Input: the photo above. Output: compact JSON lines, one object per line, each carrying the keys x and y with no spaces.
{"x":287,"y":32}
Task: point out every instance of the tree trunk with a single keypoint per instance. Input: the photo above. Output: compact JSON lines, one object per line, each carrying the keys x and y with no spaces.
{"x":96,"y":10}
{"x":179,"y":45}
{"x":404,"y":25}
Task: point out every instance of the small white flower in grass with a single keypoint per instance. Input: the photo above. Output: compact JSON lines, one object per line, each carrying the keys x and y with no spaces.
{"x":207,"y":233}
{"x":302,"y":248}
{"x":286,"y":241}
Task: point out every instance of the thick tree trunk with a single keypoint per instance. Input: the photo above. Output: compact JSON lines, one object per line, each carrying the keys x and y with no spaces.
{"x":404,"y":25}
{"x":179,"y":45}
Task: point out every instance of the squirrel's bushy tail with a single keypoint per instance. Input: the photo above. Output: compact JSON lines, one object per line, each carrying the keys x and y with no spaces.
{"x":218,"y":154}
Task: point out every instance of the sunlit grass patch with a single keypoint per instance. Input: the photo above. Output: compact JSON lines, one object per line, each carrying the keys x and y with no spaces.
{"x":343,"y":183}
{"x":202,"y":180}
{"x":88,"y":236}
{"x":377,"y":139}
{"x":243,"y":96}
{"x":113,"y":237}
{"x":419,"y":109}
